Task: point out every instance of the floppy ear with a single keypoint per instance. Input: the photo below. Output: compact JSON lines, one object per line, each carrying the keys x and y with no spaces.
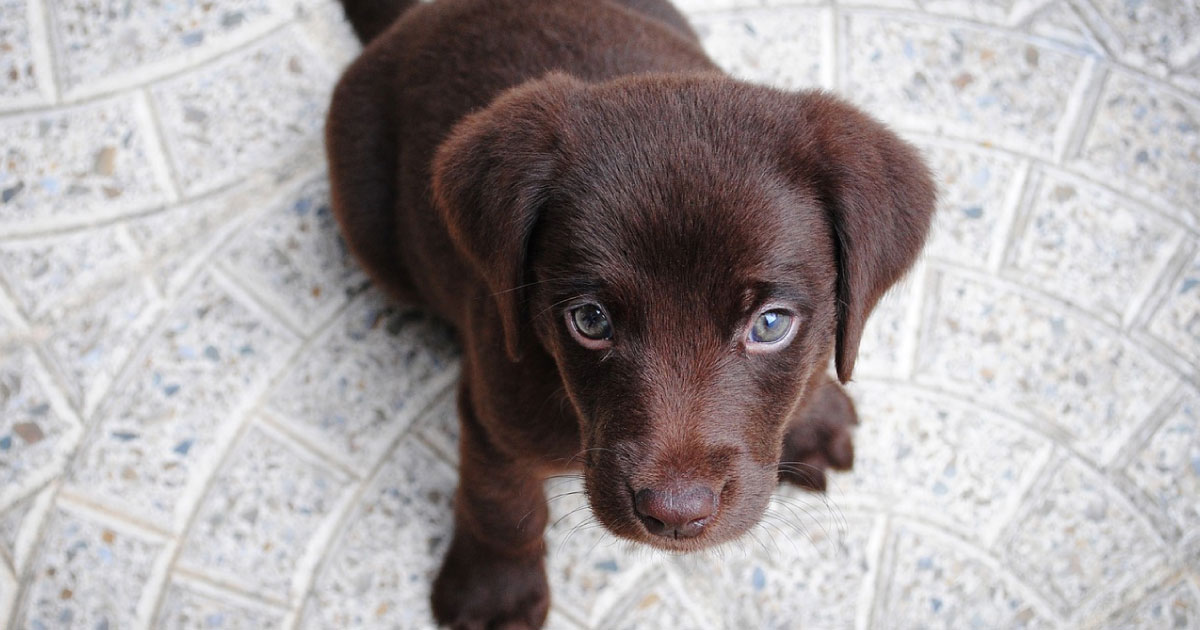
{"x":880,"y":198}
{"x":491,"y":176}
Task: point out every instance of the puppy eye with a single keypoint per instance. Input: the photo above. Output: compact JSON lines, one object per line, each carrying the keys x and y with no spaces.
{"x":771,"y":327}
{"x":591,"y":324}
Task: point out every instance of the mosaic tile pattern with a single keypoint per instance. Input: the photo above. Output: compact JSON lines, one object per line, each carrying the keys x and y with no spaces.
{"x":209,"y":419}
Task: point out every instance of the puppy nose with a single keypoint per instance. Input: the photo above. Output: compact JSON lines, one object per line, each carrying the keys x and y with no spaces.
{"x":676,"y":512}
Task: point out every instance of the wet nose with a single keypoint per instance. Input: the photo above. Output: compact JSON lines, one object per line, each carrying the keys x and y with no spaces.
{"x":675,"y":511}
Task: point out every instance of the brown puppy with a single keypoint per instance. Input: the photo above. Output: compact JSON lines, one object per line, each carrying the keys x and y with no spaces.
{"x":649,"y":264}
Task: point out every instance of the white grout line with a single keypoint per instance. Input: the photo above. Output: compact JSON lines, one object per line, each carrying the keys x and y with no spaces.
{"x":158,"y":155}
{"x":1010,"y":218}
{"x":1080,"y":110}
{"x":877,"y":576}
{"x":1159,"y":278}
{"x":322,"y":544}
{"x":829,"y":48}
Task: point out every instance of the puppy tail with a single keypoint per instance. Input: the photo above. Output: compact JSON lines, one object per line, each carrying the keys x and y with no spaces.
{"x":372,"y":17}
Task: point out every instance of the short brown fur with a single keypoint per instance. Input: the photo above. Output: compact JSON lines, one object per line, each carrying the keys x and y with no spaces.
{"x":498,"y":161}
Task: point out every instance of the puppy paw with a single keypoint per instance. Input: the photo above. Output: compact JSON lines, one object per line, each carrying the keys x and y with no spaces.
{"x":819,"y":437}
{"x":477,"y":590}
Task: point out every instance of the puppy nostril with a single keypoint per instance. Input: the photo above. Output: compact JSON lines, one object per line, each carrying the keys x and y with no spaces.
{"x":675,"y":512}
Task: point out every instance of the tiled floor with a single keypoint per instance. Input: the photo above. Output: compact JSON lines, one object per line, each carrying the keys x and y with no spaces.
{"x":208,"y":420}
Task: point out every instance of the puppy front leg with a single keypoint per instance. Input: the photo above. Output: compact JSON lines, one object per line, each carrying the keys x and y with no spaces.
{"x":494,"y":574}
{"x":819,"y":435}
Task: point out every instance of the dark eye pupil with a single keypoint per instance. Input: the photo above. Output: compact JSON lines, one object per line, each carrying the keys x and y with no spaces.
{"x":591,"y":322}
{"x":770,"y":327}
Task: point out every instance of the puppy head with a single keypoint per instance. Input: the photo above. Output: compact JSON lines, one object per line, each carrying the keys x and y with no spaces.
{"x":690,"y":251}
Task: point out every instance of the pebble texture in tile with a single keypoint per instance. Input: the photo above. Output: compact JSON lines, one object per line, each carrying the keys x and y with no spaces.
{"x":1076,"y":537}
{"x":933,"y":578}
{"x":1148,"y":141}
{"x":1175,"y":607}
{"x":1154,"y":33}
{"x":938,"y":77}
{"x":379,"y":570}
{"x":36,"y":437}
{"x":1019,"y":352}
{"x":185,"y":608}
{"x":879,"y":354}
{"x":270,"y":102}
{"x":201,"y":365}
{"x":1087,"y":247}
{"x":973,"y":188}
{"x":19,"y":74}
{"x":259,"y":515}
{"x":88,"y":575}
{"x":1177,"y":320}
{"x":76,"y":164}
{"x":938,"y":459}
{"x":1168,"y":466}
{"x":781,"y":47}
{"x":97,"y":40}
{"x":376,"y":368}
{"x":295,"y":254}
{"x":805,"y":568}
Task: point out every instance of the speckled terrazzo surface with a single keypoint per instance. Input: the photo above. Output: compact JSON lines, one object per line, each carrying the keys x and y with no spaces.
{"x":209,"y":420}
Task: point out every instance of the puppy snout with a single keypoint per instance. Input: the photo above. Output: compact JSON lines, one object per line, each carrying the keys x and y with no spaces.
{"x":675,"y":511}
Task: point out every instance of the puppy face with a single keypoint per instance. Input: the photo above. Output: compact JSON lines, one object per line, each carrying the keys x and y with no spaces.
{"x":686,"y":307}
{"x":692,"y":252}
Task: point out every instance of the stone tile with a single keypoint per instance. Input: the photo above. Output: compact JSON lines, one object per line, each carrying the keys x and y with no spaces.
{"x":656,"y":603}
{"x":1154,"y":33}
{"x":91,"y":339}
{"x":780,"y":47}
{"x":1168,"y":466}
{"x":178,"y":239}
{"x":1087,"y":247}
{"x":260,"y":514}
{"x":589,"y":568}
{"x":42,"y":272}
{"x":939,"y":582}
{"x":271,"y":101}
{"x":1007,"y":349}
{"x":97,"y":42}
{"x":1177,"y":606}
{"x":943,"y":461}
{"x":795,"y":578}
{"x":933,"y":76}
{"x":1146,"y":142}
{"x":79,"y":164}
{"x":1075,"y":538}
{"x":1176,"y":321}
{"x":364,"y":382}
{"x":378,"y":573}
{"x":89,"y":574}
{"x":37,"y":432}
{"x":191,"y":606}
{"x":973,"y":187}
{"x":22,"y":82}
{"x":294,"y":254}
{"x":205,"y":363}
